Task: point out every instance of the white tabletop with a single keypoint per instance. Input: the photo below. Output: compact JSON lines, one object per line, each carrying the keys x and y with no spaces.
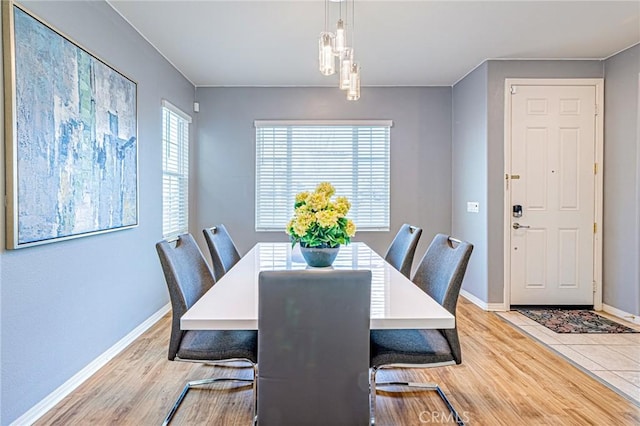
{"x":232,"y":303}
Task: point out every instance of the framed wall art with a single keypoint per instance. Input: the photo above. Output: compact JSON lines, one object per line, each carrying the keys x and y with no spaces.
{"x":71,"y":137}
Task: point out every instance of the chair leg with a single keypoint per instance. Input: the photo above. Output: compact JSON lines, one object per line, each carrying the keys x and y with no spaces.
{"x":453,"y":411}
{"x":255,"y":394}
{"x":427,"y":386}
{"x":372,"y":390}
{"x":194,"y":383}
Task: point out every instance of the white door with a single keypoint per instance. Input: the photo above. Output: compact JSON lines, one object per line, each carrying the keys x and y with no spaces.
{"x":553,"y":145}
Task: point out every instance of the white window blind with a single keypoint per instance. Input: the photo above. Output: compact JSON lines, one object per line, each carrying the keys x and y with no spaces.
{"x":295,"y":156}
{"x":175,"y":171}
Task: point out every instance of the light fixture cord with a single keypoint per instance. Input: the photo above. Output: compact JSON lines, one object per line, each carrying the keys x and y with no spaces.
{"x":346,"y":19}
{"x":353,"y":24}
{"x":326,"y":11}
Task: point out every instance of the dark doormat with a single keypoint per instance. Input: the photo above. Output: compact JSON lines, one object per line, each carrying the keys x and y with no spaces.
{"x":575,"y":321}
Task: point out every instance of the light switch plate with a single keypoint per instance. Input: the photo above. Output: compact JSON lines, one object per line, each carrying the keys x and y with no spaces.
{"x":473,"y":206}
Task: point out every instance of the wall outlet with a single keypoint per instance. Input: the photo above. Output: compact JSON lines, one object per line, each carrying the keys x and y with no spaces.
{"x":473,"y":206}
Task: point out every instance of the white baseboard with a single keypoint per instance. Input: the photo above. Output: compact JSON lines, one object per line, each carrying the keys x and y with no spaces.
{"x":481,"y":303}
{"x":621,"y":314}
{"x":38,"y":410}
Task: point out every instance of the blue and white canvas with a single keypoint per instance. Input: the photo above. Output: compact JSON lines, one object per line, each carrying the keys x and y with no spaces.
{"x":76,"y":143}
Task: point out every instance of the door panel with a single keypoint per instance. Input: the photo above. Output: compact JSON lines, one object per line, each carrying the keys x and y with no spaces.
{"x":537,"y":140}
{"x":568,"y":257}
{"x":553,"y":152}
{"x":535,"y":242}
{"x":568,"y":175}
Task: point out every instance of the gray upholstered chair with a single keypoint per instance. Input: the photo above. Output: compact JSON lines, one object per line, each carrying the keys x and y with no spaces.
{"x":188,"y":277}
{"x":440,"y":275}
{"x":403,"y":248}
{"x":224,"y":253}
{"x":313,"y":347}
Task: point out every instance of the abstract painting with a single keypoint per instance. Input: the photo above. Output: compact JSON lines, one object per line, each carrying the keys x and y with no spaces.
{"x":71,"y":138}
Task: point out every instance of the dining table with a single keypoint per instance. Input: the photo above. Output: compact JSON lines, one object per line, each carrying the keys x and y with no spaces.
{"x":396,"y":303}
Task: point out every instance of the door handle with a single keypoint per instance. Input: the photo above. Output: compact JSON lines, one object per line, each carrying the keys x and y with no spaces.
{"x":516,"y":225}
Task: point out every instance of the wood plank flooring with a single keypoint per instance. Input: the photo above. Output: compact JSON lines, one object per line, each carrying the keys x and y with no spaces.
{"x":506,"y":378}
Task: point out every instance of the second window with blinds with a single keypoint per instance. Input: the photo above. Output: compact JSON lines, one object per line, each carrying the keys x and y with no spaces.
{"x":294,"y":156}
{"x":175,"y":171}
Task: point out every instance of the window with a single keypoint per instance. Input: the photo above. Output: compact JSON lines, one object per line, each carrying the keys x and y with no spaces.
{"x":296,"y":156}
{"x":175,"y":171}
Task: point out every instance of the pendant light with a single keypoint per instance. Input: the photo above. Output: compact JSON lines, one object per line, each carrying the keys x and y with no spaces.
{"x":326,"y":44}
{"x":326,"y":58}
{"x":341,"y":38}
{"x":346,"y":59}
{"x":353,"y":92}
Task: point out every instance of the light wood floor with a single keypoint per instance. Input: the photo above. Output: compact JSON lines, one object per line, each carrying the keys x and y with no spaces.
{"x":505,"y":379}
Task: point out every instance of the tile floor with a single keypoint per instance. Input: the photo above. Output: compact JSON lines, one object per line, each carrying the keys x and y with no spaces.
{"x":613,"y":359}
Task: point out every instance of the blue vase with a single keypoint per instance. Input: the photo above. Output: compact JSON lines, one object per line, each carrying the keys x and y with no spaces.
{"x":319,"y":257}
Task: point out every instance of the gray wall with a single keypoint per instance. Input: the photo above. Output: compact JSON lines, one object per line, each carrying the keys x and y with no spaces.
{"x":64,"y":304}
{"x":621,"y":232}
{"x":469,"y":170}
{"x":420,"y":154}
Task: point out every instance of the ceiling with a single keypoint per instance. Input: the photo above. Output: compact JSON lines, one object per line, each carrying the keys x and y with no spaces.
{"x":398,"y":43}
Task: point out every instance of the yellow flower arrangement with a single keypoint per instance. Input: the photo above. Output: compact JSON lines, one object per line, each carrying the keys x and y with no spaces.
{"x":320,"y":222}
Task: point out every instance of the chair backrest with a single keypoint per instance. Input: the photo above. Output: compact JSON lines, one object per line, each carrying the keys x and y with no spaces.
{"x":440,"y":275}
{"x":224,"y":253}
{"x":402,"y":249}
{"x":313,"y":334}
{"x":188,"y":277}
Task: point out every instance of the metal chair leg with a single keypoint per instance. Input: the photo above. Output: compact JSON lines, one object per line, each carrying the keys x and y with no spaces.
{"x":372,"y":390}
{"x":453,"y":411}
{"x":426,"y":386}
{"x":194,"y":383}
{"x":255,"y":395}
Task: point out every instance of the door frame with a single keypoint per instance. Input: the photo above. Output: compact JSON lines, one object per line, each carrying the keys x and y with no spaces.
{"x":598,"y":83}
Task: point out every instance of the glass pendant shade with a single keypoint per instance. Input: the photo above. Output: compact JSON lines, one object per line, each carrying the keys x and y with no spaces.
{"x":353,"y":92}
{"x":346,"y":59}
{"x":326,"y":59}
{"x":340,"y":41}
